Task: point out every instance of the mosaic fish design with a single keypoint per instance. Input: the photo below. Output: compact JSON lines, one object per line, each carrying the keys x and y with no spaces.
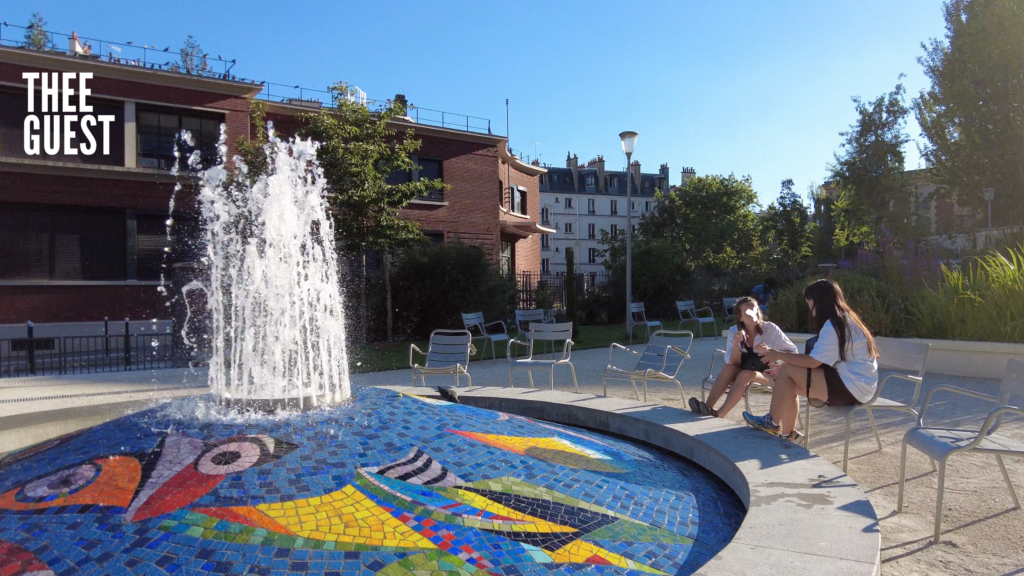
{"x":177,"y":472}
{"x":554,"y":450}
{"x":396,"y":507}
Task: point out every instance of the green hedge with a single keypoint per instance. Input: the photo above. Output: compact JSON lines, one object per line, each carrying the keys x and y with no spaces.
{"x":881,"y":306}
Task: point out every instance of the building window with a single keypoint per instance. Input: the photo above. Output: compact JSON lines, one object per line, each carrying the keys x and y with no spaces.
{"x":63,"y":244}
{"x":544,"y":179}
{"x":590,"y":180}
{"x":647,"y":206}
{"x":591,"y":206}
{"x":591,"y":231}
{"x":150,"y":241}
{"x":159,"y":132}
{"x":568,"y":227}
{"x":507,"y":260}
{"x":613,"y":182}
{"x":554,"y":177}
{"x":518,"y":200}
{"x":545,"y":241}
{"x":568,"y":202}
{"x":592,"y":256}
{"x":632,"y":206}
{"x":615,"y":207}
{"x":436,"y":237}
{"x":615,"y":230}
{"x":545,"y":215}
{"x":545,"y":265}
{"x":430,"y":169}
{"x":634,"y":229}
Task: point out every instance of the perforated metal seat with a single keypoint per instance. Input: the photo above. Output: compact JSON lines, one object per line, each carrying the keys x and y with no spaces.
{"x":540,"y":332}
{"x":660,"y":361}
{"x":447,"y":355}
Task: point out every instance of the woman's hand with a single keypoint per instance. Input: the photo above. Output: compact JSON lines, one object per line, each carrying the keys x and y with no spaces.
{"x":738,"y":337}
{"x":769,"y":356}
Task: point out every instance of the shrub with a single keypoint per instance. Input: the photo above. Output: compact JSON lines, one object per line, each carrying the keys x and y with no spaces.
{"x":881,"y":306}
{"x":433,"y":285}
{"x":984,"y":302}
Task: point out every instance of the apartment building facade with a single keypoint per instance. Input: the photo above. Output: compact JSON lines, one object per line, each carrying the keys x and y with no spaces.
{"x":85,"y":237}
{"x":581,"y":201}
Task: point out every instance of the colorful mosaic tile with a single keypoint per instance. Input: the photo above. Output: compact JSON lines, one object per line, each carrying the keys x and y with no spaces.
{"x":388,"y":484}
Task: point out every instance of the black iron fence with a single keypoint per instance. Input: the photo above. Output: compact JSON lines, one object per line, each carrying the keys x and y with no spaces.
{"x":57,"y":355}
{"x":531,"y":286}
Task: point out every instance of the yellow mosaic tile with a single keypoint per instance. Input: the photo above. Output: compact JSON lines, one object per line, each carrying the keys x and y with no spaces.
{"x":344,"y":516}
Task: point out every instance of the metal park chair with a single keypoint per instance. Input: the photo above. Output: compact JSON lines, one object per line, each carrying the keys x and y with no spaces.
{"x":540,"y":332}
{"x":447,"y":355}
{"x":475,"y":321}
{"x":728,"y":309}
{"x":688,"y":312}
{"x":660,"y":361}
{"x":941,"y":443}
{"x":910,"y":357}
{"x":639,"y":316}
{"x":525,"y":317}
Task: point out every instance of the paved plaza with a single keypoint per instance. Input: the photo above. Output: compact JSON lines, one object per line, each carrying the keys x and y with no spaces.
{"x":981,"y":532}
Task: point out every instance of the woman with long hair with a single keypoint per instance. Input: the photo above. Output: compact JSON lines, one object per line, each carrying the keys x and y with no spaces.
{"x":840,"y":370}
{"x":743,"y":364}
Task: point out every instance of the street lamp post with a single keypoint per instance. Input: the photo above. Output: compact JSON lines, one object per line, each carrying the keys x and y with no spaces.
{"x":628,"y":145}
{"x":989,"y":193}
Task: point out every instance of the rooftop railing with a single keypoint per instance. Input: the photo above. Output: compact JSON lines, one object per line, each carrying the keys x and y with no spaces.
{"x":170,"y":59}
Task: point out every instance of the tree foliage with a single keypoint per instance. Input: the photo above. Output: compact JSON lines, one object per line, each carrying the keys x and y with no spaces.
{"x":873,"y":190}
{"x":973,"y":113}
{"x":661,"y":271}
{"x":711,"y":219}
{"x":358,"y":152}
{"x":193,"y":59}
{"x":36,"y":36}
{"x":786,"y":228}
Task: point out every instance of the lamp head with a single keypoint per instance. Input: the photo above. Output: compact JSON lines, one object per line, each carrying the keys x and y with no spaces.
{"x":628,"y":141}
{"x":989,"y":193}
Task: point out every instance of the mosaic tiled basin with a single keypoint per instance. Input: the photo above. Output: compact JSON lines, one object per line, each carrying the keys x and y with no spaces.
{"x":390,"y":484}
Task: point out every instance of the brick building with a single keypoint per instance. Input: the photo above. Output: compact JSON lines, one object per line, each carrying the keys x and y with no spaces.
{"x":84,"y":237}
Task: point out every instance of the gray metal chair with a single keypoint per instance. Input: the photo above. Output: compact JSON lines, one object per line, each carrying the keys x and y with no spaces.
{"x":447,"y":355}
{"x":688,"y":312}
{"x":525,"y":317}
{"x":639,"y":316}
{"x":475,"y":321}
{"x":941,"y":443}
{"x":660,"y":361}
{"x":728,"y":310}
{"x":540,"y":332}
{"x":896,"y":354}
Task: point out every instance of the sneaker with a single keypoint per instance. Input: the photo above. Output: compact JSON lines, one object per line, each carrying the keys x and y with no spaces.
{"x":762,"y":423}
{"x":794,"y":436}
{"x":694,"y":405}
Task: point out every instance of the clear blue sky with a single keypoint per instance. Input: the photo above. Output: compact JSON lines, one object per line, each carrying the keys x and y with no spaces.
{"x":751,"y":87}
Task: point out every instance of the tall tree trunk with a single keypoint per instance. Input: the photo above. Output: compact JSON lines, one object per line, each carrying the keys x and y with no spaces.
{"x":387,"y":289}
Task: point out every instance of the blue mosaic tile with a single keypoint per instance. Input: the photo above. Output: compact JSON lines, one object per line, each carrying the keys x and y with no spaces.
{"x":387,"y":484}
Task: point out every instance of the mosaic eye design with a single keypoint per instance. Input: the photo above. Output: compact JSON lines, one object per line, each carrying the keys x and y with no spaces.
{"x":58,"y":485}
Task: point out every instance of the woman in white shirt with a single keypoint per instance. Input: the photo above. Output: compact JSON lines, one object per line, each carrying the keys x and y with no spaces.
{"x":840,"y":370}
{"x":743,"y":365}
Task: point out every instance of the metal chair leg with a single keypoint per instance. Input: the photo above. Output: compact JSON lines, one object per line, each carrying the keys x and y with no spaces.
{"x":746,"y":401}
{"x":878,"y":439}
{"x":681,"y":395}
{"x":938,"y":501}
{"x":807,"y":425}
{"x":530,"y":374}
{"x":1013,"y":493}
{"x":637,"y":392}
{"x":469,"y":380}
{"x":574,"y":382}
{"x":551,"y":376}
{"x":494,"y":354}
{"x":846,"y":445}
{"x":510,"y":384}
{"x":604,"y":384}
{"x":645,"y":390}
{"x":903,"y":476}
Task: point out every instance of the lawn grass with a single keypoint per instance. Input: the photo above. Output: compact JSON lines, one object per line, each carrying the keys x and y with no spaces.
{"x":380,"y":356}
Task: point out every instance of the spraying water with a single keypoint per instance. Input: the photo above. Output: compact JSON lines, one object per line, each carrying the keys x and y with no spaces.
{"x":274,"y":296}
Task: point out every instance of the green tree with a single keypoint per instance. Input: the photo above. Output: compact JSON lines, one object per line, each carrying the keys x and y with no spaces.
{"x":358,"y":153}
{"x":193,"y":59}
{"x":869,"y":176}
{"x":661,"y":274}
{"x":973,"y":113}
{"x":36,"y":36}
{"x":712,"y":219}
{"x":787,"y":228}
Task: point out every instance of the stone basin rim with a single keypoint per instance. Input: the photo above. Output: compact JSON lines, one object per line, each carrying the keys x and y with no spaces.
{"x":778,"y":483}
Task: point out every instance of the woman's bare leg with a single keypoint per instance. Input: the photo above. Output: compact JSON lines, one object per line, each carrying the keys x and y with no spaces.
{"x":725,"y":378}
{"x":789,"y":385}
{"x":743,"y":381}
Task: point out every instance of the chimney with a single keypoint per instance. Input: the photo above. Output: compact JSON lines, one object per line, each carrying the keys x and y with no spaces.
{"x":74,"y":45}
{"x":687,"y":174}
{"x":402,"y":104}
{"x":569,"y":163}
{"x":574,"y":163}
{"x":602,"y":184}
{"x":663,"y":178}
{"x":634,"y":169}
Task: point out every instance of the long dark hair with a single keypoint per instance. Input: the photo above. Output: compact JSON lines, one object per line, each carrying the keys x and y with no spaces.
{"x":830,"y":304}
{"x":739,"y":319}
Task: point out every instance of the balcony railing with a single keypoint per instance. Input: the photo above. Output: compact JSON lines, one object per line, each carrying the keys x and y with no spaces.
{"x":123,"y":53}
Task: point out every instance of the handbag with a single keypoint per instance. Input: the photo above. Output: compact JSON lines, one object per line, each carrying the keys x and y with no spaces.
{"x":750,"y":360}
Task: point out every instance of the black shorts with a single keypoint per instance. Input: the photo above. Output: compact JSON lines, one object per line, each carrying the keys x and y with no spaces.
{"x":838,"y":393}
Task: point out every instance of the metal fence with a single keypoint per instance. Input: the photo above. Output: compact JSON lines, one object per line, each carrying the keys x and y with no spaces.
{"x":528,"y":283}
{"x":57,"y":355}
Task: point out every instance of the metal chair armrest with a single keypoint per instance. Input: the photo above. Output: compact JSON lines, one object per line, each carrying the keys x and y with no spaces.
{"x":955,"y":390}
{"x":708,"y":308}
{"x":613,"y":346}
{"x":680,"y":351}
{"x":915,"y":379}
{"x":567,"y":350}
{"x":416,"y":348}
{"x":711,"y":369}
{"x":993,"y":420}
{"x":510,"y":349}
